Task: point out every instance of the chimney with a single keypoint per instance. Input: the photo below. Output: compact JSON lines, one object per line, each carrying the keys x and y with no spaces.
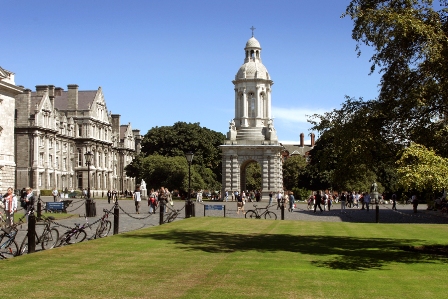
{"x":72,"y":97}
{"x":51,"y":95}
{"x":116,"y":124}
{"x":58,"y":91}
{"x":312,"y":139}
{"x":302,"y":139}
{"x":41,"y":89}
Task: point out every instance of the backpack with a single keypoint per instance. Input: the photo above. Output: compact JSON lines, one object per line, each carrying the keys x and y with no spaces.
{"x":23,"y":203}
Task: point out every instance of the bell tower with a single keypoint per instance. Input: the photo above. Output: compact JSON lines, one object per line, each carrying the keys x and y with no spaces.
{"x":252,"y":136}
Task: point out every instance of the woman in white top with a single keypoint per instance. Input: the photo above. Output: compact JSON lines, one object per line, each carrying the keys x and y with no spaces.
{"x":10,"y":200}
{"x":137,"y":198}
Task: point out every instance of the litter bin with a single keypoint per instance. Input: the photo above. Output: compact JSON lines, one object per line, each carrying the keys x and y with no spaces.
{"x":90,"y":208}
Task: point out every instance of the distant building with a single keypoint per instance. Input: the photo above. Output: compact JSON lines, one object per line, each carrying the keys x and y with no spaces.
{"x":301,"y":149}
{"x":55,"y":128}
{"x":8,"y":91}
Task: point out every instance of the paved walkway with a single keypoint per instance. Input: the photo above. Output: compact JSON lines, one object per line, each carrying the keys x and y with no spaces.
{"x":130,"y":220}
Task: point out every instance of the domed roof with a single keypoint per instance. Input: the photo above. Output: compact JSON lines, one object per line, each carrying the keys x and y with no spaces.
{"x":253,"y":43}
{"x":253,"y":70}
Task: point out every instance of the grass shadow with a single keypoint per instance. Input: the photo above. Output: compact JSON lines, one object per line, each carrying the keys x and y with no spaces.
{"x":344,"y":253}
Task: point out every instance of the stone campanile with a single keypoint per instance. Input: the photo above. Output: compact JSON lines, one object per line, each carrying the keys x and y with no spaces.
{"x":252,"y":136}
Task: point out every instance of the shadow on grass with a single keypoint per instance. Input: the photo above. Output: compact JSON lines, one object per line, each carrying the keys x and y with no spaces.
{"x":343,"y":253}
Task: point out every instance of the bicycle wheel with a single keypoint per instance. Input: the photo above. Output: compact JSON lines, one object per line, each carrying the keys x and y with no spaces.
{"x":50,"y":239}
{"x":78,"y":237}
{"x":24,"y":246}
{"x":270,"y":215}
{"x":9,"y":250}
{"x":103,"y":229}
{"x":251,"y":214}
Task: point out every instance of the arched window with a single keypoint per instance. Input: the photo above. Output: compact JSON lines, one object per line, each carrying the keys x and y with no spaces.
{"x":251,"y":104}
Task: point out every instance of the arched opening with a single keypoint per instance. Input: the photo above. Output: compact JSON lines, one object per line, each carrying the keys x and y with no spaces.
{"x":251,"y":176}
{"x":252,"y":54}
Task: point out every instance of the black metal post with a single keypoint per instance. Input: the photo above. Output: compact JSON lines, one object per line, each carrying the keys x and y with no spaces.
{"x":189,"y":207}
{"x":282,"y":209}
{"x":116,"y":218}
{"x":31,"y":232}
{"x":162,"y":210}
{"x":377,"y":213}
{"x":39,"y":208}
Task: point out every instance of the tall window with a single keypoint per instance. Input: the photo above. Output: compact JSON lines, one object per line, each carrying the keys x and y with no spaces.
{"x":57,"y":163}
{"x":251,"y":105}
{"x":79,"y":157}
{"x":79,"y":130}
{"x":64,"y":163}
{"x":41,"y":160}
{"x":50,"y":161}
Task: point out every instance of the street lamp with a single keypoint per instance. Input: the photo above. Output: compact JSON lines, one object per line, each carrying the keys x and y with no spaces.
{"x":90,"y":205}
{"x":190,"y":206}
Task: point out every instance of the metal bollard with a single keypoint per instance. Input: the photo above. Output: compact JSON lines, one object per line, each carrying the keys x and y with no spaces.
{"x":31,"y":233}
{"x":282,"y":209}
{"x":193,"y":210}
{"x":39,"y":209}
{"x":116,"y":218}
{"x":162,"y":211}
{"x":377,"y":214}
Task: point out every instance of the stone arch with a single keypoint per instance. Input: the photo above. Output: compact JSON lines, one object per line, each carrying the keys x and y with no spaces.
{"x":243,"y":174}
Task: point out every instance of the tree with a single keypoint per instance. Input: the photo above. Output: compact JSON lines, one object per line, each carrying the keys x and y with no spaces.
{"x":176,"y":140}
{"x":421,"y":169}
{"x":410,"y":40}
{"x":253,"y":176}
{"x":292,"y":167}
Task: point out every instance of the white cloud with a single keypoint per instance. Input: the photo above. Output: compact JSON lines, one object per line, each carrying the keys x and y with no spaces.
{"x":295,"y":115}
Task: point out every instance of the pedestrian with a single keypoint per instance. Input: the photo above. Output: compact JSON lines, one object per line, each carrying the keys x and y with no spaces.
{"x":152,"y":203}
{"x":257,"y":196}
{"x":162,"y":198}
{"x":226,"y":196}
{"x":394,"y":202}
{"x":367,"y":200}
{"x":329,"y":201}
{"x":343,"y":200}
{"x":414,"y":202}
{"x":55,"y":194}
{"x":114,"y":196}
{"x":109,"y":196}
{"x":270,"y":198}
{"x":291,"y":202}
{"x":169,"y":197}
{"x":279,"y":199}
{"x":10,"y":200}
{"x":29,"y":201}
{"x":240,"y":203}
{"x":232,"y":194}
{"x":317,"y":201}
{"x":137,"y":198}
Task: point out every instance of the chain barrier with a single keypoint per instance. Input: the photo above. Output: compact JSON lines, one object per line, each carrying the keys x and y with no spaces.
{"x":137,"y":218}
{"x":75,"y":208}
{"x":418,"y":215}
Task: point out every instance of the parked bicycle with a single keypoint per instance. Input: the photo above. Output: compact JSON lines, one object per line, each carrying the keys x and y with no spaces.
{"x":74,"y":235}
{"x":171,"y":215}
{"x":8,"y":247}
{"x":47,"y":239}
{"x":104,"y":227}
{"x":255,"y":214}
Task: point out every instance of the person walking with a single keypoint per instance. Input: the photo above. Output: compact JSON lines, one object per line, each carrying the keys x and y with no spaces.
{"x":10,"y":200}
{"x":137,"y":198}
{"x":317,"y":201}
{"x":55,"y":194}
{"x":394,"y":202}
{"x":367,"y":200}
{"x":152,"y":202}
{"x":343,"y":201}
{"x":29,"y":201}
{"x":279,"y":199}
{"x":109,"y":196}
{"x":291,"y":202}
{"x":226,"y":196}
{"x":240,"y":203}
{"x":169,"y":197}
{"x":414,"y":203}
{"x":329,"y":201}
{"x":114,"y":196}
{"x":270,"y":198}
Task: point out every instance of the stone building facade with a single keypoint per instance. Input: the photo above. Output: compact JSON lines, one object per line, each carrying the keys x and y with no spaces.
{"x":252,"y":136}
{"x":54,"y":128}
{"x":8,"y":91}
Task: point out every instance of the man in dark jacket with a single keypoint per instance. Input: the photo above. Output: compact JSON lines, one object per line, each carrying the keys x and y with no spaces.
{"x":317,"y":201}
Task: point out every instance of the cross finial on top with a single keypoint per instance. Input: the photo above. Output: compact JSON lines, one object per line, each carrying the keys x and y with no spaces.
{"x":252,"y":28}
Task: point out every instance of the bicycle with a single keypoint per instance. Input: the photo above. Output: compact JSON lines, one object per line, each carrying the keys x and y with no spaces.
{"x":74,"y":235}
{"x":9,"y":248}
{"x":254,"y":214}
{"x":172,"y":215}
{"x":47,"y":239}
{"x":104,"y":227}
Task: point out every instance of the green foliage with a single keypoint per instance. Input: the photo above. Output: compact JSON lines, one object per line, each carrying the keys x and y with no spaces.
{"x":301,"y":193}
{"x":253,"y":176}
{"x":292,"y":168}
{"x":422,"y":169}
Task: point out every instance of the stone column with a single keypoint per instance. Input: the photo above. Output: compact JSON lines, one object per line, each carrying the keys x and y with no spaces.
{"x":235,"y":174}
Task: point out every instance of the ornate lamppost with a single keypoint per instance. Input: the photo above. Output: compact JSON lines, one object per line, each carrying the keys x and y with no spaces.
{"x":90,"y":205}
{"x":190,"y":206}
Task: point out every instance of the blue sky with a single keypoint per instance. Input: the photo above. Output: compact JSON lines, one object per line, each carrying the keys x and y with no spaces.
{"x":159,"y":62}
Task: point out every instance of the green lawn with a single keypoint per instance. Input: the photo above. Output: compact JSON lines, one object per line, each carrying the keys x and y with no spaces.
{"x":238,"y":258}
